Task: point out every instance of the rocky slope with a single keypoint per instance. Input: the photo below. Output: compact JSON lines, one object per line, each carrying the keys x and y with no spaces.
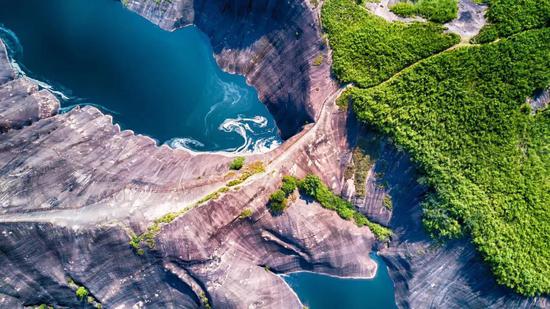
{"x":257,"y":39}
{"x":74,"y":188}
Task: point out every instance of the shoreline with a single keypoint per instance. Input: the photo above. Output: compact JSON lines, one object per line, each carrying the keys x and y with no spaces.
{"x":62,"y":97}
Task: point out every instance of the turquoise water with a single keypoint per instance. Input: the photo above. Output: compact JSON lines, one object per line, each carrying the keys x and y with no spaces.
{"x":166,"y":85}
{"x":325,"y":292}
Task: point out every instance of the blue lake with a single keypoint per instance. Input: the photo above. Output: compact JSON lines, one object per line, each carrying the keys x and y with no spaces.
{"x":166,"y":85}
{"x":325,"y":292}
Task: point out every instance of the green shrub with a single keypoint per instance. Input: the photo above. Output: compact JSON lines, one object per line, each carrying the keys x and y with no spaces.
{"x":204,"y":301}
{"x":247,"y":213}
{"x":81,"y":292}
{"x":237,"y":163}
{"x":290,"y":184}
{"x":278,"y":201}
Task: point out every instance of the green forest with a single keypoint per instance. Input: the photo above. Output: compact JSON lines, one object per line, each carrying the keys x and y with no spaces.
{"x":508,"y":17}
{"x":367,"y":49}
{"x":439,"y":11}
{"x":462,"y":116}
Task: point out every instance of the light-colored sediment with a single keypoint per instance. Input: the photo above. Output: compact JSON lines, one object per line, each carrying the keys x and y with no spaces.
{"x":471,"y":18}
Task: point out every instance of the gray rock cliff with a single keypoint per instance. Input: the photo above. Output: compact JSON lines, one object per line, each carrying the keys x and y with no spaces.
{"x":74,"y":188}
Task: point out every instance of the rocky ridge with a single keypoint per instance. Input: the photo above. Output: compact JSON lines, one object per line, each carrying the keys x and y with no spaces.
{"x":74,"y":187}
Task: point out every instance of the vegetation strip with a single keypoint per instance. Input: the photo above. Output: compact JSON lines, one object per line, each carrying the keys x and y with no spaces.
{"x":152,"y":231}
{"x":439,"y":11}
{"x":314,"y":187}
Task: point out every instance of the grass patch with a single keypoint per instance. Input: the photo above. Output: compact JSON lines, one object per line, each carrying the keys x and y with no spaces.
{"x":387,"y":202}
{"x":460,"y":116}
{"x":318,"y":60}
{"x":438,"y":11}
{"x":367,"y":49}
{"x":313,"y":186}
{"x":363,"y":162}
{"x":250,"y":170}
{"x":247,"y":213}
{"x":237,"y":163}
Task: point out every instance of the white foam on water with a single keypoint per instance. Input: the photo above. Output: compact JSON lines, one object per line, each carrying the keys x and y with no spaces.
{"x":14,"y":46}
{"x":184,"y":143}
{"x":231,"y":96}
{"x":98,"y":106}
{"x":15,"y":50}
{"x":265,"y":145}
{"x":242,"y":126}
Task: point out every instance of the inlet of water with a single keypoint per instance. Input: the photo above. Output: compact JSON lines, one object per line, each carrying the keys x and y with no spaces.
{"x":325,"y":292}
{"x":166,"y":85}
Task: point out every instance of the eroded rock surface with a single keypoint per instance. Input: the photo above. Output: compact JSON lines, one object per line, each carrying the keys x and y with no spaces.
{"x":273,"y":43}
{"x":74,"y":187}
{"x":471,"y":18}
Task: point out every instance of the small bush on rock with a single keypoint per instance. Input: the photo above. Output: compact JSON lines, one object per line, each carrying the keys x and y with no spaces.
{"x":237,"y":163}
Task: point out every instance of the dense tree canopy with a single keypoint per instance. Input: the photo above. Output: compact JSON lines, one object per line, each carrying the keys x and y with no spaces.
{"x":507,"y":17}
{"x":439,"y":11}
{"x":462,"y":116}
{"x":367,"y":49}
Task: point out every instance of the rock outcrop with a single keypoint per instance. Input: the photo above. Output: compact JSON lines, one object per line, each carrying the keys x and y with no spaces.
{"x":74,"y":188}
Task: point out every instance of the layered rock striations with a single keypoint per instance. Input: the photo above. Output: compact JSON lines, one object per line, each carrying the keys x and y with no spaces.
{"x":273,"y":43}
{"x":74,"y":189}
